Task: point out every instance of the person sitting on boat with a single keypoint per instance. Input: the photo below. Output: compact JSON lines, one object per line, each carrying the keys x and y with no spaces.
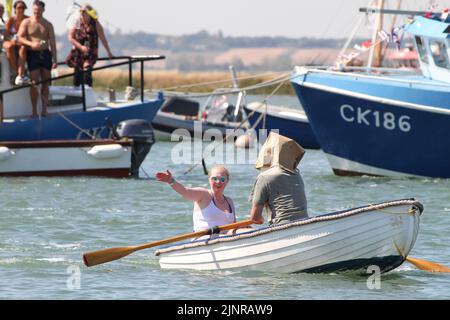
{"x":15,"y":52}
{"x":279,"y":187}
{"x":2,"y":21}
{"x":84,"y":36}
{"x":211,"y":207}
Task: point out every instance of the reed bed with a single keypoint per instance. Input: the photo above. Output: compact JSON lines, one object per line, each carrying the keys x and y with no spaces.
{"x":186,"y":82}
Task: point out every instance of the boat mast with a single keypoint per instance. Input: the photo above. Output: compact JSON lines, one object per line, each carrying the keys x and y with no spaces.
{"x":375,"y":51}
{"x":393,"y":21}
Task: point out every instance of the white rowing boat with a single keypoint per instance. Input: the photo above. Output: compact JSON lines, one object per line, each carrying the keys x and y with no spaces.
{"x":381,"y":235}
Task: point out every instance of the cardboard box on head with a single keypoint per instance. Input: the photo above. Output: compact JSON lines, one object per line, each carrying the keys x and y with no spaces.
{"x":279,"y":151}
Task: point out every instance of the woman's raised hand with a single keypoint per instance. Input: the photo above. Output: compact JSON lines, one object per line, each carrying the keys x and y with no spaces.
{"x":164,"y":176}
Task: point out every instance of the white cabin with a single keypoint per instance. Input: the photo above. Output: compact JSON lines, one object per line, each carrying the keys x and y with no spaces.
{"x":433,"y":46}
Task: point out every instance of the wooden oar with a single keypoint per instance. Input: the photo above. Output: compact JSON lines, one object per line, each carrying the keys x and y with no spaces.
{"x":427,"y":265}
{"x":423,"y":264}
{"x":102,"y":256}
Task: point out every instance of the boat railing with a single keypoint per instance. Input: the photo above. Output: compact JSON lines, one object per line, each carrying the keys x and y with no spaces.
{"x":130,"y":61}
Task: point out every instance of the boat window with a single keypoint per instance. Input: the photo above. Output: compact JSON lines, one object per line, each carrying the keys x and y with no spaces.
{"x":422,"y":50}
{"x":439,"y":53}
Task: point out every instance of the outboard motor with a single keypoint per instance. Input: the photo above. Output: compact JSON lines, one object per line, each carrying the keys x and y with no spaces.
{"x":141,"y":131}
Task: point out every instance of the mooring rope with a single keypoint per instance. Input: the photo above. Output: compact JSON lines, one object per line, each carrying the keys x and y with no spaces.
{"x":76,"y":126}
{"x":264,"y":102}
{"x":198,"y":84}
{"x":224,"y":91}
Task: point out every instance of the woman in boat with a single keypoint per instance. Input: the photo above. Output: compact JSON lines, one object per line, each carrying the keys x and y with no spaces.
{"x":279,"y":187}
{"x":84,"y":36}
{"x":16,"y":52}
{"x":211,"y":207}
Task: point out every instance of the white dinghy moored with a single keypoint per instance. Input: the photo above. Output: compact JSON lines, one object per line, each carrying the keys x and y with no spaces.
{"x":101,"y":158}
{"x":354,"y":239}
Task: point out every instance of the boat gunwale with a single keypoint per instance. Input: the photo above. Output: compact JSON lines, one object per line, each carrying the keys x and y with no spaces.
{"x":302,"y":72}
{"x":297,"y":115}
{"x":301,"y":222}
{"x":387,"y":101}
{"x":124,"y":142}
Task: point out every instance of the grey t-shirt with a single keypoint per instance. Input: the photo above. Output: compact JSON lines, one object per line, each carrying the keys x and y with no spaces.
{"x":283,"y":194}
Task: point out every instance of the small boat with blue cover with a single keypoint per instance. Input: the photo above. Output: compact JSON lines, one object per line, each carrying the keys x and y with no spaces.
{"x":379,"y":235}
{"x":385,"y":124}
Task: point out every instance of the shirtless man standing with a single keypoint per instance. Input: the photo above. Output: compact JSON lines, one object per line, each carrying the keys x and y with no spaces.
{"x":37,"y":34}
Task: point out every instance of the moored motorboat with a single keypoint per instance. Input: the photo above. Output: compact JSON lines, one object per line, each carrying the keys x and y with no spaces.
{"x":289,"y":122}
{"x":220,"y":118}
{"x":379,"y":235}
{"x":115,"y":158}
{"x":183,"y":117}
{"x":106,"y":158}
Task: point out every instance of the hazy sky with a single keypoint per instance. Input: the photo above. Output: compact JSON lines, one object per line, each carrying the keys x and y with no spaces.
{"x":292,"y":18}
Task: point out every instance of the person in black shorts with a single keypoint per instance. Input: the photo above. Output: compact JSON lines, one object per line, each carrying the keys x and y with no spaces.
{"x":39,"y":59}
{"x":38,"y":35}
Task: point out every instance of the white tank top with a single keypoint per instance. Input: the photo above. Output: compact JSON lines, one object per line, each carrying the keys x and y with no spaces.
{"x":211,"y":216}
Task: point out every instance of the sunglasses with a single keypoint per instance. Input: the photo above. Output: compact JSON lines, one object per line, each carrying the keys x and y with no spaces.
{"x":217,"y":179}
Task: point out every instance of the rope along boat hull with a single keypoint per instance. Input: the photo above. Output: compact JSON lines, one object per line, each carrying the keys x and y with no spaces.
{"x":380,"y":235}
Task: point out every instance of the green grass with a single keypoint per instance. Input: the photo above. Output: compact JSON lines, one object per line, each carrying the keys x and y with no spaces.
{"x":176,"y":81}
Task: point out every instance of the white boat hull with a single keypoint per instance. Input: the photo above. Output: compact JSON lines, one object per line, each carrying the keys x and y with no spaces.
{"x":380,"y":235}
{"x":107,"y":158}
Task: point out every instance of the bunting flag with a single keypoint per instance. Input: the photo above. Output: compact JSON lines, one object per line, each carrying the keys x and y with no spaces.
{"x":444,"y":14}
{"x":394,"y":34}
{"x":9,"y":6}
{"x":383,"y":35}
{"x":367,"y":44}
{"x":392,"y":37}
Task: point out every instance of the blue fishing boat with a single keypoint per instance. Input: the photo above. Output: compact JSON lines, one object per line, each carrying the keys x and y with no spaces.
{"x":291,"y":123}
{"x":73,"y":113}
{"x":385,"y":124}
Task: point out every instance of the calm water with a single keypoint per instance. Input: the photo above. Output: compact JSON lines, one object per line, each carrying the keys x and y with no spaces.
{"x":46,"y":224}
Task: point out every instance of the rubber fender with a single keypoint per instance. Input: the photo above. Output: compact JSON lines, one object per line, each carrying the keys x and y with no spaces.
{"x":5,"y":153}
{"x":109,"y":151}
